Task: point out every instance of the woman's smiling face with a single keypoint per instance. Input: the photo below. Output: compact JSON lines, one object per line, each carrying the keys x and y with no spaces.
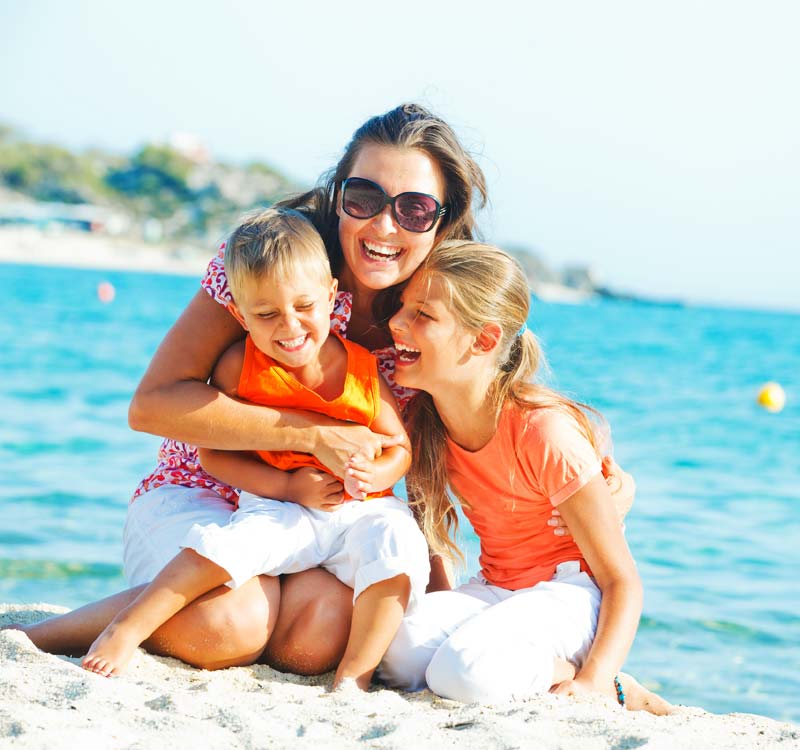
{"x":378,"y":253}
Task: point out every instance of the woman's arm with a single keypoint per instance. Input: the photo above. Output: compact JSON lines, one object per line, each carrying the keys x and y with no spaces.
{"x":595,"y":527}
{"x":175,"y":400}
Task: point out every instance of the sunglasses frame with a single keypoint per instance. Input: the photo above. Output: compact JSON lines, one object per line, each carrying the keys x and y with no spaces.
{"x":391,"y":201}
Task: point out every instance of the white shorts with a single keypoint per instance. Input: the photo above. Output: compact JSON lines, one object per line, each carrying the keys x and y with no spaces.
{"x":485,"y":644}
{"x":157,"y":524}
{"x":361,"y":543}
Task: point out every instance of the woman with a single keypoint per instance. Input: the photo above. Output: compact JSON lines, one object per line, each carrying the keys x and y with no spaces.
{"x":394,"y":163}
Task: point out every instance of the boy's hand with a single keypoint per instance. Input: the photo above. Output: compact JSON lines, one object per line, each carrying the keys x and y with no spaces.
{"x":316,"y":489}
{"x":359,"y":476}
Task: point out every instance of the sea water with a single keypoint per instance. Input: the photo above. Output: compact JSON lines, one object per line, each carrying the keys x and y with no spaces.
{"x":714,"y":528}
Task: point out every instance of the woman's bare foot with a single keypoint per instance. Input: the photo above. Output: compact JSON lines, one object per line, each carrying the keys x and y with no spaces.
{"x":113,"y":649}
{"x":639,"y":698}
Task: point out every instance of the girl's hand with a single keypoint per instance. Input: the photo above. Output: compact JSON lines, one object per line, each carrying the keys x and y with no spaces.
{"x":623,"y":489}
{"x":359,"y":476}
{"x":315,"y":489}
{"x":338,"y":441}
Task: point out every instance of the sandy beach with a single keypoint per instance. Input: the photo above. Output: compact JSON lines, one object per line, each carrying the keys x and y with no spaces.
{"x":49,"y":701}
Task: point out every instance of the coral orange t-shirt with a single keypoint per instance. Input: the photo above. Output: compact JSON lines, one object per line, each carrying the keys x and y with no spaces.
{"x":263,"y":381}
{"x":537,"y":459}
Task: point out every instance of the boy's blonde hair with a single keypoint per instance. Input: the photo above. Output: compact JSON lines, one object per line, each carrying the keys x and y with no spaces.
{"x":483,"y":285}
{"x":274,"y":243}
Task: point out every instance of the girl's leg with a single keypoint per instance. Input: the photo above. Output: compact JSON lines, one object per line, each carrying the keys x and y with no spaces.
{"x":313,"y":623}
{"x":517,"y":647}
{"x":438,"y":616}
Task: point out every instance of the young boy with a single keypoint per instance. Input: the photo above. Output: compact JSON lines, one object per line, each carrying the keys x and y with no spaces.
{"x":280,"y":279}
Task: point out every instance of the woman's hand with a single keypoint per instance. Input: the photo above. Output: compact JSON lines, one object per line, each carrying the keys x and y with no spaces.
{"x":336,"y":442}
{"x":316,"y":489}
{"x":622,"y":487}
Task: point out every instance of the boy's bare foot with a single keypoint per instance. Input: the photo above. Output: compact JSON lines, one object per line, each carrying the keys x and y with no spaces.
{"x":113,"y":649}
{"x":639,"y":698}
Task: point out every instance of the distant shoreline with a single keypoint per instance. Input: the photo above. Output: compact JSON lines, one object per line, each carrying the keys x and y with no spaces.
{"x":85,"y":250}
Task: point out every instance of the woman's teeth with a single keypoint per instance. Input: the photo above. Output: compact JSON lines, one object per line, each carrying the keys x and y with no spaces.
{"x":406,"y":353}
{"x":381,"y":252}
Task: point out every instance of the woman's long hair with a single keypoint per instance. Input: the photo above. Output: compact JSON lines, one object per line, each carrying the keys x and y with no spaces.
{"x":408,"y":126}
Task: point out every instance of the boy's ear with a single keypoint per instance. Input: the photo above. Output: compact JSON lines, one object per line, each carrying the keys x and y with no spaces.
{"x":236,"y":314}
{"x":487,"y":339}
{"x":332,"y":298}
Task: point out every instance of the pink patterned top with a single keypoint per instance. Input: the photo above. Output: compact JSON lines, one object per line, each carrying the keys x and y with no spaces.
{"x":178,"y":462}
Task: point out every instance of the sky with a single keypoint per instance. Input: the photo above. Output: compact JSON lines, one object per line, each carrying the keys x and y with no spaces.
{"x":657,"y":143}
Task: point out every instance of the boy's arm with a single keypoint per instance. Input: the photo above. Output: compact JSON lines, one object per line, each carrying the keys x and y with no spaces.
{"x":365,"y":474}
{"x":245,"y":470}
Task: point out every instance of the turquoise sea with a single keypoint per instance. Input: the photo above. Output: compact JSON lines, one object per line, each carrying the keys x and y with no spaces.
{"x":713,"y":528}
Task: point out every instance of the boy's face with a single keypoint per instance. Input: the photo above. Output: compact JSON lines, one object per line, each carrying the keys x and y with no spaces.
{"x":288,"y":319}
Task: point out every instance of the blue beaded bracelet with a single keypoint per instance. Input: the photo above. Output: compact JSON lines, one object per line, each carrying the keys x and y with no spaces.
{"x":620,"y":693}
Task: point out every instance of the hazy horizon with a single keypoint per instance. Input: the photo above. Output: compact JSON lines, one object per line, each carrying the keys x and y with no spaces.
{"x":659,"y":145}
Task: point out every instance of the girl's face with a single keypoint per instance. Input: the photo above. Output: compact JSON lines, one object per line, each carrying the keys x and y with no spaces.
{"x":434,"y":351}
{"x":378,"y":253}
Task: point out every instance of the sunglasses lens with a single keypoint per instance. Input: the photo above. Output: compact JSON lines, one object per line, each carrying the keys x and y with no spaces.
{"x":416,"y":211}
{"x":362,"y":198}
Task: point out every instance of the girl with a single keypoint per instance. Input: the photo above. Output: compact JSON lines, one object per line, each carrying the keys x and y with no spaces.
{"x":545,"y":610}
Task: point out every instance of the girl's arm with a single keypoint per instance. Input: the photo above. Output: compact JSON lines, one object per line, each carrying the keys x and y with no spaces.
{"x":365,"y":474}
{"x":596,"y":530}
{"x":175,"y":400}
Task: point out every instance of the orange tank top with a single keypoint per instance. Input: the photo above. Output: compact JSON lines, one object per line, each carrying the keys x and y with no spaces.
{"x":263,"y":381}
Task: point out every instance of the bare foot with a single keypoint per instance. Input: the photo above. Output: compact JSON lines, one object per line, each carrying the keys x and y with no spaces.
{"x":111,"y":652}
{"x":347,"y":685}
{"x":639,"y":698}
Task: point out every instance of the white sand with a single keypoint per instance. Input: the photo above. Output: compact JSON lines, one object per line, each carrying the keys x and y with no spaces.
{"x":50,"y":702}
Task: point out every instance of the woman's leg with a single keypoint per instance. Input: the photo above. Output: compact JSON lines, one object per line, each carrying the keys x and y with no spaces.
{"x":313,"y":623}
{"x":220,"y":629}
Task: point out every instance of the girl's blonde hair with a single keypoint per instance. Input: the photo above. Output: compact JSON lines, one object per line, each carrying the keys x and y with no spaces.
{"x":484,"y":285}
{"x":277,"y":243}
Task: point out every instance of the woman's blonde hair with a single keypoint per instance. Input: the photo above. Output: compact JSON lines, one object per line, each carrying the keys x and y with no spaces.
{"x":274,"y":243}
{"x":483,"y":285}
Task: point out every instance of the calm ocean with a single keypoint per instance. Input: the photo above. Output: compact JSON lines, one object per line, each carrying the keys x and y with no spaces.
{"x":713,"y":528}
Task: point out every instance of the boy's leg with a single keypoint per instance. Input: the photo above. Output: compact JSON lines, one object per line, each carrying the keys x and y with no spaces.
{"x":377,"y":614}
{"x":382,"y":554}
{"x":183,"y":580}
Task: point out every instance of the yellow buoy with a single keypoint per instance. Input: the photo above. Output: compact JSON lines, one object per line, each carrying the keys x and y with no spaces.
{"x":772,"y":397}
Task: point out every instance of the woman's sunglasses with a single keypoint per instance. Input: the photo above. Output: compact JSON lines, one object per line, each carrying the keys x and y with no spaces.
{"x":415,"y":212}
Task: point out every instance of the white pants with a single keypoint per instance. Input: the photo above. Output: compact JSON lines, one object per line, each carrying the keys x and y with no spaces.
{"x":361,"y":543}
{"x":484,"y":644}
{"x":158,"y":522}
